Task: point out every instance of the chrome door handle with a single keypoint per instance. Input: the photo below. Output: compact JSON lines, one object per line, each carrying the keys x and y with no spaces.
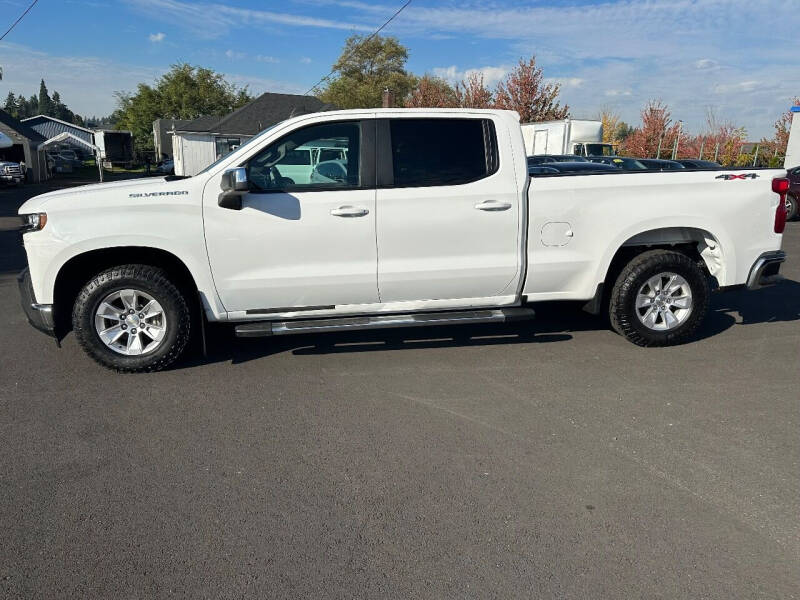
{"x":492,"y":205}
{"x":349,"y":211}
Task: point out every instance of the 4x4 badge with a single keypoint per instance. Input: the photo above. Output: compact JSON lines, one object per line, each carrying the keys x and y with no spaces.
{"x":729,"y":176}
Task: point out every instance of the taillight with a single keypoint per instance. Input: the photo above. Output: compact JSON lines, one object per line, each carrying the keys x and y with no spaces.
{"x":780,"y":185}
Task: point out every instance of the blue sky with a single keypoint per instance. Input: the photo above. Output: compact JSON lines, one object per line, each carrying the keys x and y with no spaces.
{"x":734,"y":57}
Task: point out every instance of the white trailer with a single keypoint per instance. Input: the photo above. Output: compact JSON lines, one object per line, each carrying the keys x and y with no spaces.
{"x":114,"y":147}
{"x":566,"y":136}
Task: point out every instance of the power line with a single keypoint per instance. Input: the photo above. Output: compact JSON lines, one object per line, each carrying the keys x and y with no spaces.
{"x":349,"y":54}
{"x":27,"y":10}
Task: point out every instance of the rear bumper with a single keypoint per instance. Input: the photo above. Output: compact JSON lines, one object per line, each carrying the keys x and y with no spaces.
{"x":40,"y":316}
{"x":765,"y":270}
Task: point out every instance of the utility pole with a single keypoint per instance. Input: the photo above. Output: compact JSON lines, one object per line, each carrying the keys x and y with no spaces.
{"x":677,"y":139}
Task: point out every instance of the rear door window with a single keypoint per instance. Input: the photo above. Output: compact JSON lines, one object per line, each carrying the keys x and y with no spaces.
{"x":435,"y":152}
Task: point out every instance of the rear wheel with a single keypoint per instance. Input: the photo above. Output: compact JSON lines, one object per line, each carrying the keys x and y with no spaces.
{"x":792,"y":207}
{"x":659,"y":299}
{"x":132,"y":318}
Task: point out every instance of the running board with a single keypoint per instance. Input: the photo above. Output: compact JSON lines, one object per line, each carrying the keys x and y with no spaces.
{"x":494,"y":315}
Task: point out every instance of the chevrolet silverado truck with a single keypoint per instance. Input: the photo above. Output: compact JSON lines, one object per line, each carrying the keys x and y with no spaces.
{"x":429,"y":218}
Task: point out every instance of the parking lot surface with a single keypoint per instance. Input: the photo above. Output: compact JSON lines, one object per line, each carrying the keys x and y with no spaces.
{"x":548,"y":459}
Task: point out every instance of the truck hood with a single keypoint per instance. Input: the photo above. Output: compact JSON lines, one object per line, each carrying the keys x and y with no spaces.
{"x":87,"y":194}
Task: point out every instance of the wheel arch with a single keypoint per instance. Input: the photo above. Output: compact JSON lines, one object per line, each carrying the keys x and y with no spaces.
{"x":698,"y":243}
{"x":79,"y":269}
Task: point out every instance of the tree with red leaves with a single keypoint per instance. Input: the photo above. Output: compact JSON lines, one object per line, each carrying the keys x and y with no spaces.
{"x":657,"y":130}
{"x":721,"y":141}
{"x":432,"y":92}
{"x":776,"y":147}
{"x":472,"y":93}
{"x":525,"y":91}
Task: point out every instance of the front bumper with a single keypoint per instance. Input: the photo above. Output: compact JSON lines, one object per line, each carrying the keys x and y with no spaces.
{"x":765,"y":270}
{"x":39,"y":316}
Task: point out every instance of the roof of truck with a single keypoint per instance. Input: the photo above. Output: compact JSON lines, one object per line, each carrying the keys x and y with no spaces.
{"x":269,"y":109}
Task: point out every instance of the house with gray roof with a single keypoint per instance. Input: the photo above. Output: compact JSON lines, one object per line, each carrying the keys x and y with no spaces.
{"x":50,"y":127}
{"x":198,"y":143}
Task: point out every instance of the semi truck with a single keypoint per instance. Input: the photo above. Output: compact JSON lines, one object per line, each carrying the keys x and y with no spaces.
{"x":435,"y":220}
{"x":566,"y":136}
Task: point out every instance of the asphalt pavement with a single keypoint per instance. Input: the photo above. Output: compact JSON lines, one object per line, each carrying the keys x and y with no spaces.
{"x":546,"y":459}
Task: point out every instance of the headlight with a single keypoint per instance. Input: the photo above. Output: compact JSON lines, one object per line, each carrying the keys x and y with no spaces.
{"x":34,"y":222}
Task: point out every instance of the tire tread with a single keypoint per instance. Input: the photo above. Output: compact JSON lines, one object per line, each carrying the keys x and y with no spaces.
{"x":626,"y":323}
{"x":154,"y":276}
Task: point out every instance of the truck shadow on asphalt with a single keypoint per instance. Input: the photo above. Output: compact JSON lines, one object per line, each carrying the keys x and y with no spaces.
{"x":555,"y":322}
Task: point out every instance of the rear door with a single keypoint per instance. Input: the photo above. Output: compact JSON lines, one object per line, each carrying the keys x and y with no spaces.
{"x":447,"y":210}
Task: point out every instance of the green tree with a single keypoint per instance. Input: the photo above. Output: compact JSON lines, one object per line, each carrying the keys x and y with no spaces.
{"x":11,"y":104}
{"x":45,"y":105}
{"x":365,"y":68}
{"x":30,"y":108}
{"x":185,"y":92}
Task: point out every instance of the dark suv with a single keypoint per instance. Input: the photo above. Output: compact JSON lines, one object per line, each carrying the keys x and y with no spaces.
{"x":793,"y":197}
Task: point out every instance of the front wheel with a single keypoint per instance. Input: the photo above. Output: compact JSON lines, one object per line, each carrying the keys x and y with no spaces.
{"x":132,"y":318}
{"x":659,"y":299}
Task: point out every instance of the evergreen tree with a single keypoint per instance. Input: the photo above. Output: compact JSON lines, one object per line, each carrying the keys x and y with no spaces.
{"x":44,"y":104}
{"x":11,"y":104}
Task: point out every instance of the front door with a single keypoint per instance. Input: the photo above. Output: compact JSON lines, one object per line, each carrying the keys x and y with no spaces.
{"x":299,"y":245}
{"x":448,"y":210}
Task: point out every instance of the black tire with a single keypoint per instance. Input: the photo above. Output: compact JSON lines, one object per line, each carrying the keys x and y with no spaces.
{"x":622,"y":305}
{"x":792,"y":207}
{"x":148,"y":279}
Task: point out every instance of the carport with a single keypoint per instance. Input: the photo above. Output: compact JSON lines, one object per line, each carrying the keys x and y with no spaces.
{"x":26,"y":147}
{"x":68,"y":137}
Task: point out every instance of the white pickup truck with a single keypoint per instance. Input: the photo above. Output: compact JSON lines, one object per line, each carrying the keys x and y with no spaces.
{"x":432,"y":219}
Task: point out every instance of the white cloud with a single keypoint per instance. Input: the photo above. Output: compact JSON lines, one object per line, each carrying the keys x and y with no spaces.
{"x":565,"y":82}
{"x":737,"y":86}
{"x":234,"y":55}
{"x":266,"y":59}
{"x":213,"y":20}
{"x":157,"y":37}
{"x":87,"y":84}
{"x":305,"y":60}
{"x":706,"y":63}
{"x":491,"y":74}
{"x":613,"y":93}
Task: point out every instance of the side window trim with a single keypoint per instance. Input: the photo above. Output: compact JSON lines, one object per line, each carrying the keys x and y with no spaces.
{"x":384,"y":157}
{"x":384,"y":167}
{"x":367,"y":155}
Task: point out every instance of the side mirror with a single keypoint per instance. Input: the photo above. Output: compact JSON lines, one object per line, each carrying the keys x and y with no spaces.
{"x":233,"y":184}
{"x":235,"y":180}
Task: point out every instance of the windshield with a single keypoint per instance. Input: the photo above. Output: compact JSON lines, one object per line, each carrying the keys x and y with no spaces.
{"x":239,"y":149}
{"x":599,"y":150}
